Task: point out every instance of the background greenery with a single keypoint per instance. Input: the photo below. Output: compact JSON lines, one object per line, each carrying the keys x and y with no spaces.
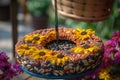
{"x":104,"y":29}
{"x":38,"y":7}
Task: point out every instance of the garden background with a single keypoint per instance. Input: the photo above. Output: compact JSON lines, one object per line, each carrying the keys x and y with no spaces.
{"x":104,"y":29}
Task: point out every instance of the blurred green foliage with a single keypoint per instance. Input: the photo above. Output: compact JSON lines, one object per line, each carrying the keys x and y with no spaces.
{"x":38,"y":7}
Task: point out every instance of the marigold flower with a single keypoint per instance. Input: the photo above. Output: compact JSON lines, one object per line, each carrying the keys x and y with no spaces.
{"x":104,"y":74}
{"x":42,"y":54}
{"x":83,"y":34}
{"x":28,"y":38}
{"x":35,"y":38}
{"x":59,"y":59}
{"x":24,"y":49}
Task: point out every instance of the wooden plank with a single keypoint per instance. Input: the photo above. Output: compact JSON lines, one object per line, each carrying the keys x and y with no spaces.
{"x":14,"y":21}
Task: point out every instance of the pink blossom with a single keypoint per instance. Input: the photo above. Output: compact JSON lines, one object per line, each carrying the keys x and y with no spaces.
{"x":117,"y":57}
{"x":118,"y":10}
{"x":107,"y":60}
{"x":110,"y":46}
{"x":116,"y":37}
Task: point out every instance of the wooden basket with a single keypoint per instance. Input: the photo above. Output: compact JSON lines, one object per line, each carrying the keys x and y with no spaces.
{"x":85,"y":10}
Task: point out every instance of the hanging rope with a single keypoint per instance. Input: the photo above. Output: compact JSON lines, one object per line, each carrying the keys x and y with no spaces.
{"x":56,"y":22}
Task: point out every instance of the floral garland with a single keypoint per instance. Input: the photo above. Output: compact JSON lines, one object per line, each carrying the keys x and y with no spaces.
{"x":110,"y":59}
{"x":43,"y":54}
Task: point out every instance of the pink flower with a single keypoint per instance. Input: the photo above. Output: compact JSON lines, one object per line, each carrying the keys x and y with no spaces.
{"x":117,"y":57}
{"x":110,"y":46}
{"x":7,"y":69}
{"x":10,"y":73}
{"x":118,"y":10}
{"x":107,"y":60}
{"x":16,"y":66}
{"x":116,"y":37}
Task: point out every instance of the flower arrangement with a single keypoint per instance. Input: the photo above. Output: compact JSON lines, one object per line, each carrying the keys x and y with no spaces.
{"x":35,"y":53}
{"x":111,"y":61}
{"x":78,"y":50}
{"x":7,"y":69}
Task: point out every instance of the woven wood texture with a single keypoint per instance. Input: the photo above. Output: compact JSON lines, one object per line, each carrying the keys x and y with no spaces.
{"x":85,"y":10}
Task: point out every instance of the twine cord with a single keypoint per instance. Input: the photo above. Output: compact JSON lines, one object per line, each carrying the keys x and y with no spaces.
{"x":56,"y":23}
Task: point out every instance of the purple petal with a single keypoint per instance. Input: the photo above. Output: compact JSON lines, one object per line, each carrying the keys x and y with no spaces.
{"x":117,"y":57}
{"x":16,"y":66}
{"x":116,"y":36}
{"x":107,"y":60}
{"x":110,"y":46}
{"x":10,"y":73}
{"x":118,"y":10}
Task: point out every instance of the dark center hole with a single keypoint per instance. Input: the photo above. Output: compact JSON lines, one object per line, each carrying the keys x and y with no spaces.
{"x":62,"y":45}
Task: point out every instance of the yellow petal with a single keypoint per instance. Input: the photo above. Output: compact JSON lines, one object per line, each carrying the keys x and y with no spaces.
{"x":86,"y":51}
{"x":36,"y":57}
{"x":53,"y":61}
{"x":63,"y":61}
{"x":58,"y":61}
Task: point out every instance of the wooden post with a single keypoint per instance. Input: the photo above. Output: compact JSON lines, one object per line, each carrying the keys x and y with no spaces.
{"x":14,"y":21}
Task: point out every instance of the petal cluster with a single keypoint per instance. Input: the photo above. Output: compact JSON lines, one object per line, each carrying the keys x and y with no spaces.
{"x":7,"y":69}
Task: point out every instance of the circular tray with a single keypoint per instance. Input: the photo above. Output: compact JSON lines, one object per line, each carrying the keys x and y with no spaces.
{"x":60,"y":77}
